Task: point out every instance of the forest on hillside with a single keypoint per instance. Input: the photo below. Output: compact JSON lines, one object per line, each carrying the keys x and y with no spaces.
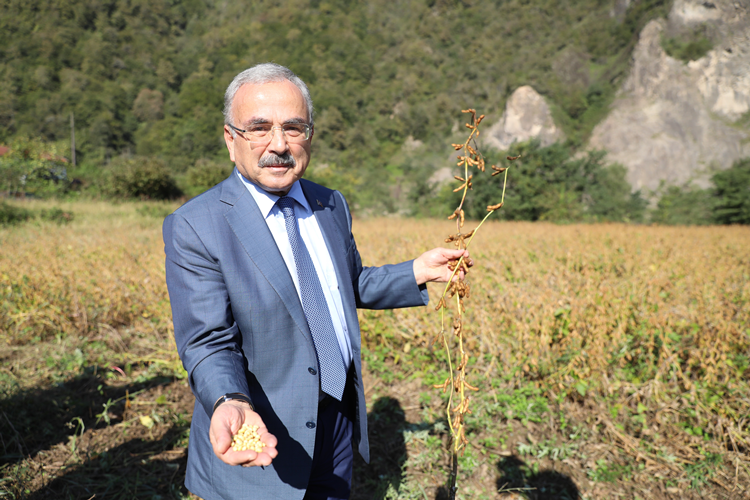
{"x":144,"y":81}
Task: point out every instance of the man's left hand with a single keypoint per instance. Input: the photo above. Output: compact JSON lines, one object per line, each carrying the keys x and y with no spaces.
{"x":433,"y":265}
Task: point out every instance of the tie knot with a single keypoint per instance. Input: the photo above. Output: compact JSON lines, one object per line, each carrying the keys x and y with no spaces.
{"x":286,"y":204}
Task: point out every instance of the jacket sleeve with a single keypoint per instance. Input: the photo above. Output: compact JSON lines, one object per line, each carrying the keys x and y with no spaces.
{"x":206,"y":333}
{"x":386,"y":287}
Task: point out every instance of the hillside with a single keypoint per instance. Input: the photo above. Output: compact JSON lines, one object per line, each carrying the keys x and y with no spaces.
{"x":147,"y":77}
{"x":680,"y":117}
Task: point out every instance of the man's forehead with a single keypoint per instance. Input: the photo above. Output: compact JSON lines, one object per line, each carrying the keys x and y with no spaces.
{"x":255,"y":101}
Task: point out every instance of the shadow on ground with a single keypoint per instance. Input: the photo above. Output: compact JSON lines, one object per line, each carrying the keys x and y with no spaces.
{"x":386,"y":423}
{"x":39,"y":418}
{"x":130,"y":470}
{"x":547,"y":484}
{"x":129,"y":461}
{"x":33,"y":423}
{"x":139,"y":465}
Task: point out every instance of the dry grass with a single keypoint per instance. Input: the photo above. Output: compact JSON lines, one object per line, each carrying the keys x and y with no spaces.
{"x":105,"y":270}
{"x":635,"y":338}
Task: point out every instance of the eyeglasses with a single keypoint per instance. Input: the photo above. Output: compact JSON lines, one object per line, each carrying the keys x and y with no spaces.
{"x":263,"y":132}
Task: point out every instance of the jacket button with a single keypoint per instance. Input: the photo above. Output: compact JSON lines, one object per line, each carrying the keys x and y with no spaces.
{"x":310,"y":425}
{"x":312,"y":371}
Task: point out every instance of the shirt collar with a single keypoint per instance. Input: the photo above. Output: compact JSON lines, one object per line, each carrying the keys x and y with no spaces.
{"x":266,"y":201}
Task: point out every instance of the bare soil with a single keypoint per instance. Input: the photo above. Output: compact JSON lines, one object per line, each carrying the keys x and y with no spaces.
{"x":134,"y":457}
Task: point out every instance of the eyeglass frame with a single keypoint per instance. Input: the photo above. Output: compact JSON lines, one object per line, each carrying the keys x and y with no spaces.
{"x":308,"y":133}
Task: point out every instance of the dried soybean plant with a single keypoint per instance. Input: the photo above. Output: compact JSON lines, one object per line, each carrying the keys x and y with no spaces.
{"x":458,"y":291}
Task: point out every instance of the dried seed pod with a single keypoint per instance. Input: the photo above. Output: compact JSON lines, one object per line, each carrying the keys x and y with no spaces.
{"x":441,"y":304}
{"x":457,"y":146}
{"x":490,"y":208}
{"x":457,"y":421}
{"x":512,"y":158}
{"x":444,"y":385}
{"x":469,"y":386}
{"x":498,"y":170}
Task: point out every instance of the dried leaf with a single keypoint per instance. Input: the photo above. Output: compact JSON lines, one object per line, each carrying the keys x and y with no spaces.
{"x":146,"y":421}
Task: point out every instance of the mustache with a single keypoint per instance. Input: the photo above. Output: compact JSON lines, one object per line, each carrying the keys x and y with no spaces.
{"x":270,"y":159}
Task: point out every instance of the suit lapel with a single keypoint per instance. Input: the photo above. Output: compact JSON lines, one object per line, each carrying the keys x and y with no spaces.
{"x":251,"y":230}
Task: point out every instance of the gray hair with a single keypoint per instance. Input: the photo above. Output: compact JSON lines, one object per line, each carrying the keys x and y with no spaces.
{"x":258,"y":75}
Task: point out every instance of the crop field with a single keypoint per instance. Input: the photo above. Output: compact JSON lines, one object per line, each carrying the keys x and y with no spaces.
{"x":612,"y":361}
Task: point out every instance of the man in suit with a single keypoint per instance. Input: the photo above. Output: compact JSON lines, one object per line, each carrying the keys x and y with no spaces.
{"x":264,"y":279}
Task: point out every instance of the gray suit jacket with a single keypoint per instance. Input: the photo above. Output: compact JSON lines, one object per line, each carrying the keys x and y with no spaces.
{"x":240,"y":327}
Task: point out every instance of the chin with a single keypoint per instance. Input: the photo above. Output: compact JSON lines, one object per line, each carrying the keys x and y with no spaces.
{"x":276,"y":188}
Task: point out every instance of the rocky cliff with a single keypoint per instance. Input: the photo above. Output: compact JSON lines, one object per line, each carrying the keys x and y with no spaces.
{"x":526,"y":116}
{"x":677,"y":122}
{"x":672,"y":121}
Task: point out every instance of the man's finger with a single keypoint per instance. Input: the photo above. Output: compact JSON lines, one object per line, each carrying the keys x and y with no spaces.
{"x":221,"y":439}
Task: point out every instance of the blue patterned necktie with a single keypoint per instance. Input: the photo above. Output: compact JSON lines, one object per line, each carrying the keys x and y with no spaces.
{"x":332,"y":373}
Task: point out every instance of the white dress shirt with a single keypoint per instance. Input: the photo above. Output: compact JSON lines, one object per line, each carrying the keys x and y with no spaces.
{"x":316,"y":247}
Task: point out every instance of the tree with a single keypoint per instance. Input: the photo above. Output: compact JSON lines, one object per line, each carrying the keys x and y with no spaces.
{"x":732,"y":194}
{"x":139,"y":177}
{"x":547,"y":184}
{"x":31,"y":166}
{"x":686,"y":205}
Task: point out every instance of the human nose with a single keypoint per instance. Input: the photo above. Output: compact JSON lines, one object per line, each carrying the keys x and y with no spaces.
{"x":278,"y":141}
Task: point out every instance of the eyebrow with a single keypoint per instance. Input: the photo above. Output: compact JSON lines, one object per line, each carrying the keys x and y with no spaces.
{"x":264,"y":121}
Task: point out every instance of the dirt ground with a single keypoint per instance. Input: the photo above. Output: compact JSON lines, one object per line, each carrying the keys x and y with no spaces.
{"x":137,"y":449}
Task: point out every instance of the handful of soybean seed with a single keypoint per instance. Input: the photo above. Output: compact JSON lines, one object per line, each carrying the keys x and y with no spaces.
{"x":247,"y":438}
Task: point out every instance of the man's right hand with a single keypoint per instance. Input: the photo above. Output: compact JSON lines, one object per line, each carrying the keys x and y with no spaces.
{"x":226,"y":422}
